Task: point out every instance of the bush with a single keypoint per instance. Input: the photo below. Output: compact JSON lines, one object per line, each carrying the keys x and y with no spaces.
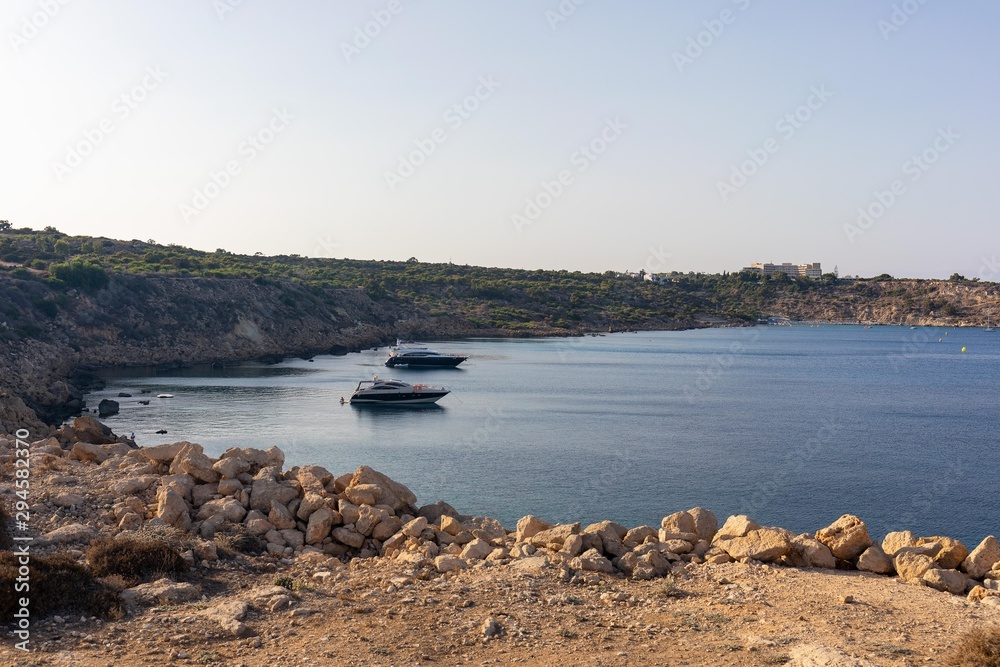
{"x":85,"y":276}
{"x":57,"y":583}
{"x":979,"y":648}
{"x":133,"y":557}
{"x":240,"y":541}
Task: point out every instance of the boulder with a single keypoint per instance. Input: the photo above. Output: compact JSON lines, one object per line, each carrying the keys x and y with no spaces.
{"x":349,"y":511}
{"x":449,"y":524}
{"x":529,"y":526}
{"x":893,"y":542}
{"x":265,"y":490}
{"x":68,"y":500}
{"x":592,"y":561}
{"x":229,"y":487}
{"x":230,"y":615}
{"x":911,"y":566}
{"x":847,"y":537}
{"x":874,"y":559}
{"x":311,"y":502}
{"x":231,"y":468}
{"x":83,"y":451}
{"x":74,"y":532}
{"x":280,"y":517}
{"x":435,"y":511}
{"x":951,"y":581}
{"x":132,"y":485}
{"x":257,"y":458}
{"x":679,"y":522}
{"x":107,"y":407}
{"x":809,"y":552}
{"x":229,"y":508}
{"x":314,"y":478}
{"x":130,"y":521}
{"x":163,"y":453}
{"x":202,"y":493}
{"x":735,"y":526}
{"x":88,"y":429}
{"x":677,"y":546}
{"x":182,"y":484}
{"x":172,"y":508}
{"x":553,"y":538}
{"x":639,"y":535}
{"x":983,"y":558}
{"x":477,"y":550}
{"x":610,"y":536}
{"x":389,"y":492}
{"x":368,"y":518}
{"x":191,"y":459}
{"x":415,"y":527}
{"x":572,"y":546}
{"x":350,"y":537}
{"x":161,"y":591}
{"x":763,"y":544}
{"x":320,"y":523}
{"x":951,"y":554}
{"x":363,"y":494}
{"x":705,"y":523}
{"x":293,"y":538}
{"x":450,"y":563}
{"x":387,"y":527}
{"x":532,"y":564}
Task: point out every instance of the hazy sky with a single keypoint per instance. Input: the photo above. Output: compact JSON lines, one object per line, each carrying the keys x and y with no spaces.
{"x":586,"y":135}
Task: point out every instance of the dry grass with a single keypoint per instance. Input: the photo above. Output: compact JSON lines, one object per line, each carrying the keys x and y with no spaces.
{"x":133,"y":558}
{"x":238,"y":540}
{"x":57,"y":583}
{"x":979,"y":648}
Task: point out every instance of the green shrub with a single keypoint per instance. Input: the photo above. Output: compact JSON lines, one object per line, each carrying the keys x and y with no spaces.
{"x":85,"y":276}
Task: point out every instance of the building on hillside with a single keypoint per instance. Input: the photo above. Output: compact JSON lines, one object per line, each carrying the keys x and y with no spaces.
{"x":795,"y":270}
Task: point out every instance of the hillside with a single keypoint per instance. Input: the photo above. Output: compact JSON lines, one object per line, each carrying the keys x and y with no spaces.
{"x":70,"y":304}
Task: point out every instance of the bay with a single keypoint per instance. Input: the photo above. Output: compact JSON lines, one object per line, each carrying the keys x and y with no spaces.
{"x":793,"y":425}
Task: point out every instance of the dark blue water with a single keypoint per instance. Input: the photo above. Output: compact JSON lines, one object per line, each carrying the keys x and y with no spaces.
{"x":792,"y":425}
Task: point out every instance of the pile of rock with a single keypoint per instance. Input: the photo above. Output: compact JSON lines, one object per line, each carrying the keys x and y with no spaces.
{"x":310,"y":513}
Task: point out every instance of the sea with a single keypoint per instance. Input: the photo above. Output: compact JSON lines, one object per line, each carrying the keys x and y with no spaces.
{"x":793,"y":425}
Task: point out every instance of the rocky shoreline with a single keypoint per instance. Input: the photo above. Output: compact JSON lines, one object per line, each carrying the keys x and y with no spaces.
{"x":243,"y":509}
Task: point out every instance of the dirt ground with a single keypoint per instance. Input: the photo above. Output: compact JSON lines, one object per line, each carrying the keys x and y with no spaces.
{"x":377,"y":612}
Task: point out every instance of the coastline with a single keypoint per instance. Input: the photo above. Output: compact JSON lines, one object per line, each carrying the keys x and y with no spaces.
{"x":341,"y":535}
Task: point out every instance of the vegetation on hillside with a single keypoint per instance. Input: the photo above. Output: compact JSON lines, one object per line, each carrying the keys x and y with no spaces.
{"x":46,"y":266}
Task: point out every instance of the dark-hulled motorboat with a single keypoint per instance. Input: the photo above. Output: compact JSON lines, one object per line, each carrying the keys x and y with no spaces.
{"x":395,"y":392}
{"x":418,"y":355}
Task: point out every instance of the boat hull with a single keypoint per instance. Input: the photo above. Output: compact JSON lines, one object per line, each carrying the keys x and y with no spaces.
{"x":415,"y":398}
{"x":425,"y":362}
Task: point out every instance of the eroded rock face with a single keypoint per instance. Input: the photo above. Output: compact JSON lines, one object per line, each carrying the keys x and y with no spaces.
{"x":847,"y":537}
{"x":951,"y":553}
{"x":764,"y":544}
{"x":911,"y":566}
{"x":88,"y":429}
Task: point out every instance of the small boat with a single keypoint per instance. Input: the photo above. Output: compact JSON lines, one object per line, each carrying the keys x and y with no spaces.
{"x":395,"y":392}
{"x":164,"y":395}
{"x":408,"y":353}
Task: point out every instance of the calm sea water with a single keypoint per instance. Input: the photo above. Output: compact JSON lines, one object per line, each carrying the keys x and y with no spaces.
{"x":792,"y":425}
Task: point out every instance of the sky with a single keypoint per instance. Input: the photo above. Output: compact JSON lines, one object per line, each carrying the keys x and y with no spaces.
{"x":582,"y":135}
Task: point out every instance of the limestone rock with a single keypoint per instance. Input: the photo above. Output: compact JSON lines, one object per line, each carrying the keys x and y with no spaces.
{"x":815,"y":655}
{"x":293,"y":538}
{"x":386,"y":528}
{"x":231,"y":468}
{"x":163,"y":453}
{"x":435,"y":511}
{"x":529,"y":526}
{"x":280,"y":516}
{"x":952,"y":553}
{"x":388,"y":492}
{"x":533,"y":564}
{"x":88,"y":429}
{"x":229,"y":487}
{"x":182,"y":484}
{"x":132,"y":485}
{"x":415,"y":527}
{"x":679,"y":522}
{"x":983,"y":558}
{"x":265,"y":490}
{"x":161,"y":591}
{"x":477,"y":550}
{"x":705,"y":523}
{"x":450,"y":525}
{"x":368,"y":518}
{"x":349,"y":511}
{"x":350,"y":537}
{"x":847,"y":537}
{"x":450,"y":563}
{"x":640,"y":534}
{"x":812,"y":553}
{"x":874,"y":559}
{"x":951,"y":581}
{"x":763,"y":544}
{"x":228,"y":508}
{"x":83,"y":451}
{"x":735,"y":526}
{"x":230,"y":615}
{"x":592,"y":561}
{"x":202,"y":493}
{"x":320,"y":523}
{"x":75,"y":532}
{"x":172,"y":508}
{"x":911,"y":566}
{"x":130,"y":521}
{"x":191,"y":459}
{"x":363,"y":494}
{"x":553,"y":538}
{"x":311,"y":501}
{"x":68,"y":500}
{"x":893,"y":542}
